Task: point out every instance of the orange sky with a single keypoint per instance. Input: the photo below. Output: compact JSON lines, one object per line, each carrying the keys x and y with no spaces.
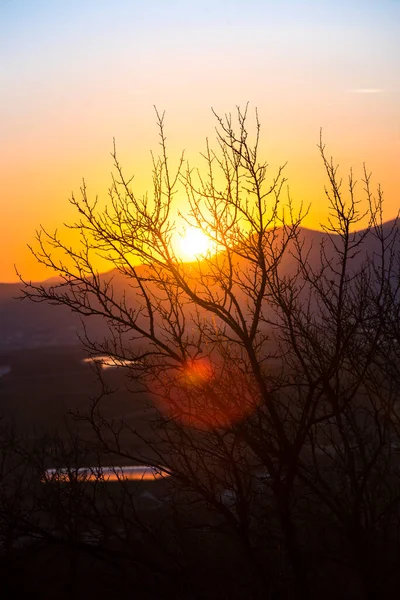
{"x":76,"y":74}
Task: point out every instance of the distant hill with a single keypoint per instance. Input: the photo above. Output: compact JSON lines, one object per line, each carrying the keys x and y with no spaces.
{"x":29,"y":325}
{"x":25,"y":324}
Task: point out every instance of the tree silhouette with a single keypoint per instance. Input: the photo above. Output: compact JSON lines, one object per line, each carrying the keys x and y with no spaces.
{"x":271,"y":362}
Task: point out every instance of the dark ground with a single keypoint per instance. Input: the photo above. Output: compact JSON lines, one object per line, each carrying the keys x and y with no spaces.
{"x":47,"y":385}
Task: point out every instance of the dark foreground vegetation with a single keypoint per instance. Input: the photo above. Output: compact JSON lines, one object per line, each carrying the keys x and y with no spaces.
{"x":265,"y":379}
{"x":165,"y":538}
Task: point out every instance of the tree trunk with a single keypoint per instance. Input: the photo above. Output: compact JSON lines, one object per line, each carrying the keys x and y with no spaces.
{"x":293,"y":552}
{"x":365,"y":570}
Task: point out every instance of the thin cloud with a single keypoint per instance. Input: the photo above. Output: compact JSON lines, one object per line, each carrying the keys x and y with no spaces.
{"x":366,"y":91}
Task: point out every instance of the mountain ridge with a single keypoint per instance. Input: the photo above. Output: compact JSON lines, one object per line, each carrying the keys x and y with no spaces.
{"x":29,"y":325}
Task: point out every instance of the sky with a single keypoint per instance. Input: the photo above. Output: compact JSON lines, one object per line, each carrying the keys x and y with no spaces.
{"x":75,"y":74}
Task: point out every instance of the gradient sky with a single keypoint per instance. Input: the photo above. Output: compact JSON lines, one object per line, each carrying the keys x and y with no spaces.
{"x":74,"y":74}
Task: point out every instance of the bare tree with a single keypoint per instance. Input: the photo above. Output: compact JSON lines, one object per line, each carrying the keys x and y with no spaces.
{"x":266,"y":359}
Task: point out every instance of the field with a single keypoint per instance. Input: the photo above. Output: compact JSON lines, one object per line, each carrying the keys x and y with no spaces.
{"x":47,"y":387}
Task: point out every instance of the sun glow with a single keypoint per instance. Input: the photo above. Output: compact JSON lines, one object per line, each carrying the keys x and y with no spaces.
{"x":194,"y":244}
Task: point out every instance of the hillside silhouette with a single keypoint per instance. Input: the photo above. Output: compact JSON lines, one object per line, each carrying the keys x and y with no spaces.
{"x":29,"y":325}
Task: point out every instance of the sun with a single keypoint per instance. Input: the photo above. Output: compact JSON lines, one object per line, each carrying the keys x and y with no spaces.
{"x":193,"y":244}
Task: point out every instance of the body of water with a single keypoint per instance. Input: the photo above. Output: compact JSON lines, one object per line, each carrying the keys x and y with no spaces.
{"x":109,"y":362}
{"x":131,"y":473}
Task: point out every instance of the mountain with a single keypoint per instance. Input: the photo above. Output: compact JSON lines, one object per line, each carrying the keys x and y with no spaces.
{"x":29,"y":325}
{"x":25,"y":324}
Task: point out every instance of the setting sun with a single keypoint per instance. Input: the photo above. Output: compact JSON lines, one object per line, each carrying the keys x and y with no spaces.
{"x":194,"y":244}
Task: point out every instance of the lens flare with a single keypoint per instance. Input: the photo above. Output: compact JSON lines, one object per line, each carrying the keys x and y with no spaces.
{"x":197,"y":372}
{"x":202,"y":395}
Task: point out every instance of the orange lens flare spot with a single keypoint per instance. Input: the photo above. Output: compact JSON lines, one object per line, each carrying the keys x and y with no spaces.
{"x":197,"y":372}
{"x":196,"y":395}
